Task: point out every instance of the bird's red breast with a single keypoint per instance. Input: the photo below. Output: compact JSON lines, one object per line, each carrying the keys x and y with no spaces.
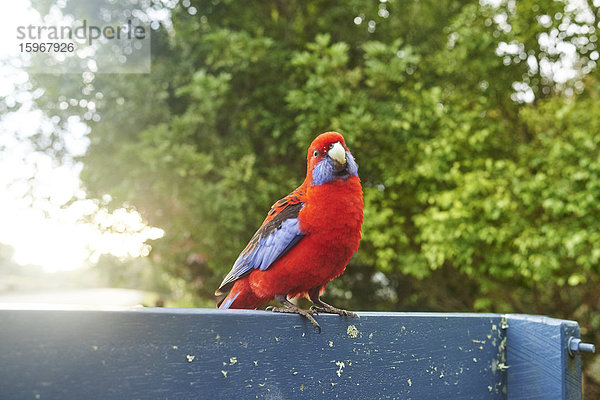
{"x":331,"y":221}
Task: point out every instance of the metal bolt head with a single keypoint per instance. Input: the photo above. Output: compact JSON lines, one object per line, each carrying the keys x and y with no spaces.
{"x":575,"y":346}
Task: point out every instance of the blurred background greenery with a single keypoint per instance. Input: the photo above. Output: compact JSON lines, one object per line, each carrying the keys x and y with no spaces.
{"x":475,"y":124}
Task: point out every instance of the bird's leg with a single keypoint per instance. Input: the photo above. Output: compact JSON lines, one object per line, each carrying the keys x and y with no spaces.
{"x":289,"y":307}
{"x":322,"y":307}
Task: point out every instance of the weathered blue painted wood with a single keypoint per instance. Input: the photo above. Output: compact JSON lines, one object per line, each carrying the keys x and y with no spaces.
{"x":540,"y":366}
{"x":178,"y":354}
{"x":196,"y":354}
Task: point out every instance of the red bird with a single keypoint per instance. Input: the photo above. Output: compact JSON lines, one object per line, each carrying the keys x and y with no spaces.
{"x":307,"y":238}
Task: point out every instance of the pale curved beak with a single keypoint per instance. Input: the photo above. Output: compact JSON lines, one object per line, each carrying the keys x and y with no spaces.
{"x":338,"y":154}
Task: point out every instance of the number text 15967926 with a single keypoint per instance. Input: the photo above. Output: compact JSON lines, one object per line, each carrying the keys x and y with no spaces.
{"x":46,"y":47}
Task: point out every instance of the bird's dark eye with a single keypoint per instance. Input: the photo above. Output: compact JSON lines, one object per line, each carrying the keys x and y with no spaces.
{"x":330,"y":146}
{"x":316,"y":153}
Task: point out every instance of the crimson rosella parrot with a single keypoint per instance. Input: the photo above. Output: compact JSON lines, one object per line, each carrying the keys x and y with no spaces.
{"x":307,"y":238}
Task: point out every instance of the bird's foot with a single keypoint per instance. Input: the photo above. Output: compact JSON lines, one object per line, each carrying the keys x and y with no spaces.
{"x":326,"y":308}
{"x":290,"y":310}
{"x":308,"y":314}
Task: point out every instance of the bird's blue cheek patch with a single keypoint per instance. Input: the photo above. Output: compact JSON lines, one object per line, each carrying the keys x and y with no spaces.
{"x":351,"y":165}
{"x":325,"y":172}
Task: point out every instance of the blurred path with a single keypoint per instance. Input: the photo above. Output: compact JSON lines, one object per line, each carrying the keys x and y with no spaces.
{"x":76,"y":299}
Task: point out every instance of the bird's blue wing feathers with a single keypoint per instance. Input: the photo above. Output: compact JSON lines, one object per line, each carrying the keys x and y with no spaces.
{"x":275,"y":238}
{"x":270,"y":248}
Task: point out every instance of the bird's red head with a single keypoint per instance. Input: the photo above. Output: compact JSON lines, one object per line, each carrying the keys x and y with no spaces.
{"x":328,"y":158}
{"x":318,"y":148}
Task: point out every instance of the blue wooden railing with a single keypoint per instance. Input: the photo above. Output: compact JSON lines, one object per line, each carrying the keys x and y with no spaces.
{"x":150,"y":353}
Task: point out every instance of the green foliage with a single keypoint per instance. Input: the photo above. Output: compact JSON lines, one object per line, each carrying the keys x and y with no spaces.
{"x":480,"y":170}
